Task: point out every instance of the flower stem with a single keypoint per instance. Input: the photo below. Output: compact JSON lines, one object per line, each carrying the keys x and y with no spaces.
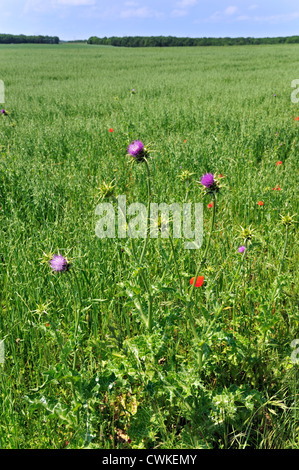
{"x":284,"y":250}
{"x":77,"y":318}
{"x":228,"y":294}
{"x":150,"y":299}
{"x":166,"y":270}
{"x":148,"y":209}
{"x":187,"y":191}
{"x":275,"y":290}
{"x":176,"y":265}
{"x":144,"y":280}
{"x":203,"y":259}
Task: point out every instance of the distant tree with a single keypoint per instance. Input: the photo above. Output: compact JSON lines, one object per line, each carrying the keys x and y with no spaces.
{"x":22,"y":39}
{"x":173,"y":41}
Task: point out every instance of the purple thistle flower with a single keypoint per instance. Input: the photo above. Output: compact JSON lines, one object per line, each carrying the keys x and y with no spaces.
{"x":207,"y":180}
{"x":135,"y":148}
{"x":241,"y":249}
{"x":59,"y":263}
{"x":3,"y":111}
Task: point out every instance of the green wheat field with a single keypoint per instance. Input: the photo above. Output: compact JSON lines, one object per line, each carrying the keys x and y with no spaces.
{"x":120,"y":351}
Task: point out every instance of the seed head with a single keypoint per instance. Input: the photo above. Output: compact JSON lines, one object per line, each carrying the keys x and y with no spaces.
{"x":106,"y":190}
{"x":246,"y":234}
{"x":186,"y":176}
{"x":287,"y":220}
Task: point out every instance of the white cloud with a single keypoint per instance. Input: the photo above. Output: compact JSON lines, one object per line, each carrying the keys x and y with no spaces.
{"x":182,"y":8}
{"x":74,"y":2}
{"x":228,"y":15}
{"x":186,"y":3}
{"x":131,"y":4}
{"x":281,"y":18}
{"x":224,"y":15}
{"x":230,"y":10}
{"x":179,"y":13}
{"x":243,"y":18}
{"x":36,"y":5}
{"x":143,"y":12}
{"x":41,"y":6}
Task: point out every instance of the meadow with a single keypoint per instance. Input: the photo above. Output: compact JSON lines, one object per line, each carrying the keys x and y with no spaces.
{"x":121,"y":351}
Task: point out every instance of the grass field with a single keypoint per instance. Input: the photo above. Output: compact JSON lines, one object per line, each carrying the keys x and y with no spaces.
{"x":119,"y":351}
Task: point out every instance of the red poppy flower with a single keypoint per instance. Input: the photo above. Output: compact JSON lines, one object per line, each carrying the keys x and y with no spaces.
{"x":185,"y":141}
{"x":110,"y":130}
{"x":210,"y":205}
{"x":260,"y":203}
{"x":278,"y":163}
{"x":221,"y":176}
{"x":199,"y":281}
{"x":47,"y":324}
{"x":297,"y":118}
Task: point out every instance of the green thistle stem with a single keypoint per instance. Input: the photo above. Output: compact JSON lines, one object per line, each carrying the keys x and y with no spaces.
{"x":176,"y":265}
{"x":148,"y":209}
{"x":77,"y":317}
{"x":190,"y":317}
{"x":203,"y":259}
{"x":187,"y":190}
{"x":150,"y":299}
{"x":147,"y":288}
{"x":229,"y":292}
{"x":280,"y":267}
{"x":166,"y":270}
{"x":144,"y":280}
{"x":284,"y":250}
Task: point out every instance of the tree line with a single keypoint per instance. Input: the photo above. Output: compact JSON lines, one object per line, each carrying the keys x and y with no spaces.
{"x":168,"y":41}
{"x":22,"y":39}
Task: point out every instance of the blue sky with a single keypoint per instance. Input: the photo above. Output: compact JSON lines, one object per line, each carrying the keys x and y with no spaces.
{"x":80,"y":19}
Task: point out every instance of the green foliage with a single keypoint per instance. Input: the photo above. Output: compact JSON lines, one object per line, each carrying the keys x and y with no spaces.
{"x":172,"y":41}
{"x":81,"y":368}
{"x":22,"y":39}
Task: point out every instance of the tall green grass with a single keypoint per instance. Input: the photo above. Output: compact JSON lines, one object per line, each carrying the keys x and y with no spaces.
{"x":202,"y":110}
